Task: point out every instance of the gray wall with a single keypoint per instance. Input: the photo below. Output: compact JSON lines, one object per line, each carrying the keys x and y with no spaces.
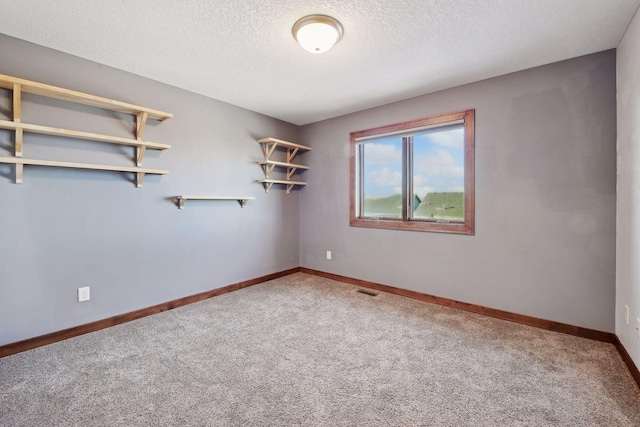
{"x":63,"y":229}
{"x":545,"y":198}
{"x":628,"y":230}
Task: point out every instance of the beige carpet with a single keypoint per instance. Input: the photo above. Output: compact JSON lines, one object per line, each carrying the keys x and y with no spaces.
{"x":303,"y":350}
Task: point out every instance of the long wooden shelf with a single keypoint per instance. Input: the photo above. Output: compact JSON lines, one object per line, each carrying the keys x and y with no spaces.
{"x":28,"y":86}
{"x":48,"y":130}
{"x":241,"y":199}
{"x":142,"y":114}
{"x":20,"y":162}
{"x":268,"y":183}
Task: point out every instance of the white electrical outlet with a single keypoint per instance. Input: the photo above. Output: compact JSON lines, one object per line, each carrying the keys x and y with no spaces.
{"x":626,"y":314}
{"x":83,"y":294}
{"x":328,"y":254}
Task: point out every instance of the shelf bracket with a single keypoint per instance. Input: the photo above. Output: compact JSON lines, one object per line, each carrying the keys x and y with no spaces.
{"x":17,"y":94}
{"x":290,"y":172}
{"x":243,"y":202}
{"x":141,"y":121}
{"x":19,"y":170}
{"x":268,"y":169}
{"x":268,"y":150}
{"x":289,"y":188}
{"x":139,"y":178}
{"x":181,"y":202}
{"x":140,"y":154}
{"x":18,"y":142}
{"x":291,"y":153}
{"x":267,"y":186}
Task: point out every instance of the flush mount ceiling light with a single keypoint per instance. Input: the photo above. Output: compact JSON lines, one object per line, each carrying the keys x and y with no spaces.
{"x":317,"y":33}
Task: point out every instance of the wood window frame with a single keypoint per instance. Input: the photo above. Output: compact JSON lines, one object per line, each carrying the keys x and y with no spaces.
{"x":405,"y":223}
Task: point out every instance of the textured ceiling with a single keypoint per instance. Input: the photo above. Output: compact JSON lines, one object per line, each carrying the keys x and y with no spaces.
{"x":242,"y":51}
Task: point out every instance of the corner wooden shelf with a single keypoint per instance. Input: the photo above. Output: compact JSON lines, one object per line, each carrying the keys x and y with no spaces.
{"x":20,"y":162}
{"x":269,"y":165}
{"x":141,"y":114}
{"x":242,"y":200}
{"x":290,"y":184}
{"x":269,"y":145}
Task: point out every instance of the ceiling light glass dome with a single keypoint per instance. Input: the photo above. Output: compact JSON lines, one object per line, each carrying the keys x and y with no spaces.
{"x":317,"y":33}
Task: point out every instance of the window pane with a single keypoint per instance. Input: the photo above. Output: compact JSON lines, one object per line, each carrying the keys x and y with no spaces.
{"x":382,"y":178}
{"x":438,"y":174}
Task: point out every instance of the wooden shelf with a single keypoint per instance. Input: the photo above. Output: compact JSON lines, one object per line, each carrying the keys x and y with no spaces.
{"x":269,"y":165}
{"x":282,"y":143}
{"x":268,"y":183}
{"x":20,"y":162}
{"x":27,"y":86}
{"x":269,"y":145}
{"x":242,"y":200}
{"x":282,"y":164}
{"x":47,"y":130}
{"x":19,"y":86}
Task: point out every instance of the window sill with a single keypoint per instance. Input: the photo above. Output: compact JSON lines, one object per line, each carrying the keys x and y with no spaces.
{"x":425,"y":226}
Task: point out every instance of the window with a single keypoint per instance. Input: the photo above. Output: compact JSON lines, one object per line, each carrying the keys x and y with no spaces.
{"x":416,"y":175}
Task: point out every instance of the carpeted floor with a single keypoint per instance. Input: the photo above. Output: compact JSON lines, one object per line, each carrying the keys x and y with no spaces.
{"x":302,"y":350}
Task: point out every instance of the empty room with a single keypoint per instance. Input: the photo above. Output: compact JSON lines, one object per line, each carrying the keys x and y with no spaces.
{"x":339,"y":213}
